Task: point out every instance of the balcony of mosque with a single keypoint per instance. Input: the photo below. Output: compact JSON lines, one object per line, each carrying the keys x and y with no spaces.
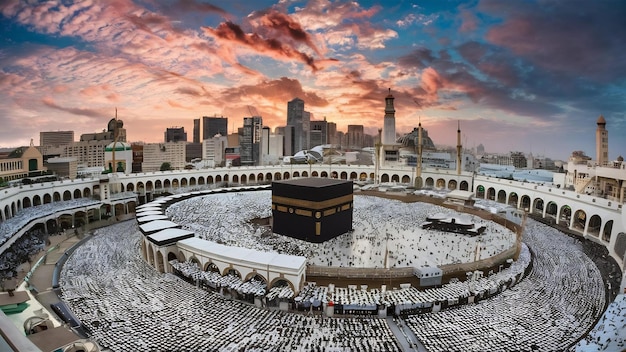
{"x":545,"y":191}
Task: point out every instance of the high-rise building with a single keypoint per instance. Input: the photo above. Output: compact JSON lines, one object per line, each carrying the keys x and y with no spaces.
{"x":299,"y":120}
{"x":155,"y":154}
{"x":213,"y":149}
{"x":355,"y":137}
{"x":319,"y":133}
{"x":331,"y":133}
{"x":214,"y":125}
{"x":175,"y":134}
{"x":55,"y":138}
{"x":602,"y":142}
{"x":250,"y":142}
{"x":196,"y":130}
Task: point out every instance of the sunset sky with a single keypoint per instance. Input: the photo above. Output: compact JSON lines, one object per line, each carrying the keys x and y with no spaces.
{"x":529,"y":76}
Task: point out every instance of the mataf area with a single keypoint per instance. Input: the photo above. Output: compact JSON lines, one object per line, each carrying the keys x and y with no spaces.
{"x":386,"y":233}
{"x":128,"y":306}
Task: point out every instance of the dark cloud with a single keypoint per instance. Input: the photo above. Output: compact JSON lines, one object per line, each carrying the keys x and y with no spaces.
{"x":232,"y":32}
{"x":280,"y":25}
{"x":283,"y":89}
{"x":583,"y":38}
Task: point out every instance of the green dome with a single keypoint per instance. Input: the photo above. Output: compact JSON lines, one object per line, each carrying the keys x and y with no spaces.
{"x":119,"y":146}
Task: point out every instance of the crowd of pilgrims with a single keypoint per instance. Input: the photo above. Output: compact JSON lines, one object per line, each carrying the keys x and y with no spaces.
{"x":386,"y":232}
{"x":127,"y":305}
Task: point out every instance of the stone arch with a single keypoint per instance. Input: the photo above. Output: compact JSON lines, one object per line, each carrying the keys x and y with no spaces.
{"x":608,"y":228}
{"x":384,"y":178}
{"x":324,"y":174}
{"x":7,"y":212}
{"x":305,"y":174}
{"x":175,"y":183}
{"x":232,"y":271}
{"x":149,"y":186}
{"x":268,"y":176}
{"x":353,"y":175}
{"x":491,"y":193}
{"x":158,"y":184}
{"x":296,"y":174}
{"x":47,"y":199}
{"x":130,"y":187}
{"x":260,"y":177}
{"x":537,"y":206}
{"x":218,"y":178}
{"x":513,"y":199}
{"x":565,"y":215}
{"x":551,"y":209}
{"x":36,"y":200}
{"x":314,"y":174}
{"x":525,"y":203}
{"x":277,"y":176}
{"x":452,"y":184}
{"x":150,"y":255}
{"x":167,"y":183}
{"x":192,"y":181}
{"x":430,"y":182}
{"x":26,"y":203}
{"x":256,"y":276}
{"x":86,"y":192}
{"x":281,"y":282}
{"x":501,"y":197}
{"x":201,"y":180}
{"x":252,"y":178}
{"x":286,"y":175}
{"x":620,"y":245}
{"x":395,"y":178}
{"x":195,"y":260}
{"x":363,"y":176}
{"x":235,"y":178}
{"x":211,"y":267}
{"x":372,"y":176}
{"x":244,"y":179}
{"x":580,"y":219}
{"x":343,"y":175}
{"x":181,"y":257}
{"x":160,"y":264}
{"x":184,"y":182}
{"x":441,"y":183}
{"x":209,"y":180}
{"x":464,"y":186}
{"x":77,"y":194}
{"x":225,"y":178}
{"x":595,"y":223}
{"x":56,"y":197}
{"x":406,"y":179}
{"x":171,"y":256}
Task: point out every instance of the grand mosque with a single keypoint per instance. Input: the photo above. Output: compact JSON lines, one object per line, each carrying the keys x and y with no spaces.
{"x":249,"y":259}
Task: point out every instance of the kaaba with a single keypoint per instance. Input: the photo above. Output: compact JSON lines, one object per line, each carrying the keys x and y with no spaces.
{"x":312,"y":209}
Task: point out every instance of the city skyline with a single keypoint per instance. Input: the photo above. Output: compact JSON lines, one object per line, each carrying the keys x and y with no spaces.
{"x":519,"y":76}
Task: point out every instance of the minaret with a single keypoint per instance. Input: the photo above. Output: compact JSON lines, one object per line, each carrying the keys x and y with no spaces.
{"x":389,"y":125}
{"x":459,"y":147}
{"x":418,"y":165}
{"x":602,"y":142}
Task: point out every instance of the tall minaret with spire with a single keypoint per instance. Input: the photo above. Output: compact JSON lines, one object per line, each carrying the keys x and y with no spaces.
{"x":418,"y":164}
{"x":389,"y":124}
{"x":602,"y":142}
{"x":459,"y":148}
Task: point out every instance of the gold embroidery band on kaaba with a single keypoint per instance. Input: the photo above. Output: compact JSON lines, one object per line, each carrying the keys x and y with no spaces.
{"x":313,"y":205}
